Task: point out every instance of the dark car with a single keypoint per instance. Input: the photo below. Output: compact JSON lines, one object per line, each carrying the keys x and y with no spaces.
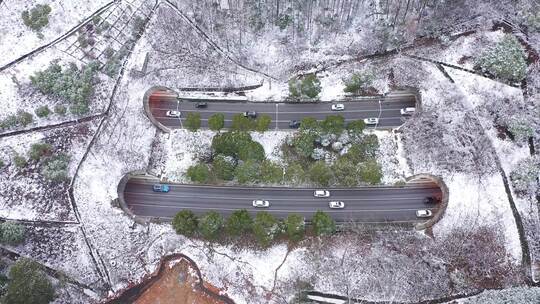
{"x":430,"y":200}
{"x":250,"y":114}
{"x":160,"y":188}
{"x":294,"y":124}
{"x":201,"y":105}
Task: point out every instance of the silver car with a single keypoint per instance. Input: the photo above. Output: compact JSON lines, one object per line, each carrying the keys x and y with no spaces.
{"x":338,"y":107}
{"x":172,"y":113}
{"x":336,"y":205}
{"x":321,"y":193}
{"x":371,"y":121}
{"x":423,"y":213}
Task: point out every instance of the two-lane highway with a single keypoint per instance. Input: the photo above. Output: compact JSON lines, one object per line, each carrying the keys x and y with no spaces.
{"x":387,"y":109}
{"x":368,"y":205}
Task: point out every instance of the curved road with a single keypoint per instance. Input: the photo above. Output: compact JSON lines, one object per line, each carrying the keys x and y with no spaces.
{"x":282,"y":113}
{"x":368,"y":205}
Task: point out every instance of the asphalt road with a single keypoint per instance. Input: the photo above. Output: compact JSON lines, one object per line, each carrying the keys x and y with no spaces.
{"x":282,"y":113}
{"x":369,"y":205}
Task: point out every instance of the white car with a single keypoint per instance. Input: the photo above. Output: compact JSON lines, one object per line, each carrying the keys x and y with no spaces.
{"x":423,"y":213}
{"x":174,"y":114}
{"x":336,"y":205}
{"x":261,"y":204}
{"x":407,"y":111}
{"x":338,"y":107}
{"x":371,"y":121}
{"x":321,"y":193}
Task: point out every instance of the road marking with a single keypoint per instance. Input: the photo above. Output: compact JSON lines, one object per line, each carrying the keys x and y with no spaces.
{"x":281,"y":112}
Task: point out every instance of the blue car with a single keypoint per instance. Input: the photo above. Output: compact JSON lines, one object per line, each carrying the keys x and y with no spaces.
{"x":160,"y":188}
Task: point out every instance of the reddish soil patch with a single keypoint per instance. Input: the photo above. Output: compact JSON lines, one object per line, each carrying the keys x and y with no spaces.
{"x":177,"y":284}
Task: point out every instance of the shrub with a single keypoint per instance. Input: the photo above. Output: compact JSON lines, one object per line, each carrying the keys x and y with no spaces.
{"x":216,"y":122}
{"x":295,"y":227}
{"x":185,"y":222}
{"x":24,"y":118}
{"x":309,"y":86}
{"x":138,"y":26}
{"x":229,"y":143}
{"x":37,"y":18}
{"x":295,"y":174}
{"x":304,"y":143}
{"x":251,"y":150}
{"x":320,"y":174}
{"x":333,"y":124}
{"x":265,"y":228}
{"x":247,"y":172}
{"x":28,"y":284}
{"x":310,"y":124}
{"x":241,"y":123}
{"x":198,"y":173}
{"x":505,"y":60}
{"x":370,"y":172}
{"x":323,"y":223}
{"x":210,"y":225}
{"x":345,"y":172}
{"x":521,"y":129}
{"x":42,"y":111}
{"x":270,"y":172}
{"x":70,"y":84}
{"x":60,"y":109}
{"x":357,"y":82}
{"x":1,"y":163}
{"x":239,"y":222}
{"x":524,"y":176}
{"x":193,"y":121}
{"x":79,"y":108}
{"x":223,"y":167}
{"x":108,"y":52}
{"x":56,"y":168}
{"x":263,"y":123}
{"x":356,"y":127}
{"x":19,"y":161}
{"x":37,"y":150}
{"x":83,"y":41}
{"x":11,"y":233}
{"x":9,"y":122}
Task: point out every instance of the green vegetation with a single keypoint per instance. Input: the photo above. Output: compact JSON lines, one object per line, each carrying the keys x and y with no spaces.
{"x":185,"y":222}
{"x":60,"y":109}
{"x":11,"y":233}
{"x":37,"y":150}
{"x":199,"y":173}
{"x":308,"y":86}
{"x":524,"y":176}
{"x":506,"y":60}
{"x":241,"y":123}
{"x":247,"y":172}
{"x":210,"y":225}
{"x":22,"y":118}
{"x":19,"y":161}
{"x":138,"y":26}
{"x":263,"y":123}
{"x":42,"y":111}
{"x":265,"y":228}
{"x":37,"y":18}
{"x":358,"y":82}
{"x":193,"y":121}
{"x":323,"y":223}
{"x":320,"y":173}
{"x":370,"y":172}
{"x":223,"y":167}
{"x":28,"y":284}
{"x":55,"y":168}
{"x":70,"y":84}
{"x":216,"y":122}
{"x":295,"y":227}
{"x":240,"y":222}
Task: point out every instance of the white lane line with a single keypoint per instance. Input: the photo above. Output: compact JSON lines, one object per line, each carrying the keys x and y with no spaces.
{"x":249,"y":207}
{"x":282,"y":112}
{"x":284,"y":121}
{"x":255,"y":196}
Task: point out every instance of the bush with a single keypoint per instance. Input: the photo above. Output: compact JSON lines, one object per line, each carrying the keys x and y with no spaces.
{"x":370,"y":172}
{"x":239,"y":222}
{"x":333,"y":124}
{"x":19,"y":161}
{"x":265,"y":228}
{"x":304,"y":143}
{"x":524,"y":176}
{"x":309,"y":86}
{"x":263,"y":123}
{"x":28,"y":284}
{"x":310,"y":124}
{"x":295,"y":227}
{"x":193,"y":121}
{"x":138,"y":26}
{"x":71,"y":84}
{"x":9,"y":122}
{"x":248,"y":172}
{"x":345,"y":172}
{"x":11,"y":233}
{"x":42,"y":111}
{"x":210,"y":225}
{"x":251,"y":150}
{"x":270,"y":172}
{"x":320,"y":174}
{"x":56,"y":168}
{"x":1,"y":163}
{"x":241,"y":123}
{"x":185,"y":222}
{"x":229,"y":143}
{"x":60,"y":109}
{"x":356,"y":127}
{"x":216,"y":122}
{"x":223,"y":167}
{"x":358,"y":82}
{"x":295,"y":174}
{"x":521,"y":129}
{"x":37,"y":18}
{"x":37,"y":150}
{"x":505,"y":60}
{"x":323,"y":223}
{"x":198,"y":173}
{"x":24,"y":118}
